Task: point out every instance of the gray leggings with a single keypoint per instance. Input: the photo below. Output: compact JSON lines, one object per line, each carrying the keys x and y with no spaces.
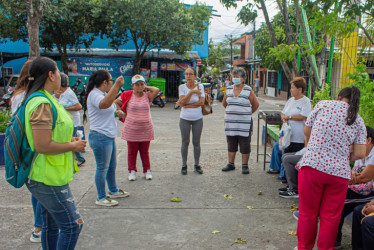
{"x":197,"y":128}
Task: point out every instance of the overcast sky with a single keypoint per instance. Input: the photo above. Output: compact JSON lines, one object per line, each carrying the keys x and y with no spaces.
{"x":227,"y":23}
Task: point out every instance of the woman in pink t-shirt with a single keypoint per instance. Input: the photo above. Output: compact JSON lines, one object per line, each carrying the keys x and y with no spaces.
{"x":332,"y":129}
{"x":138,"y":127}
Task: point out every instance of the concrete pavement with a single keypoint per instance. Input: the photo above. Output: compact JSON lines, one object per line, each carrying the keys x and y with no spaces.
{"x":149,"y":220}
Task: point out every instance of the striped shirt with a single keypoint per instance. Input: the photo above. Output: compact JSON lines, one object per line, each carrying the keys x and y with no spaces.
{"x":138,"y":126}
{"x":238,"y":115}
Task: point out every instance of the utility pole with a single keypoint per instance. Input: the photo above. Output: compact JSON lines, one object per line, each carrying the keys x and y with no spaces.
{"x":254,"y":37}
{"x":230,"y":39}
{"x":231,"y":49}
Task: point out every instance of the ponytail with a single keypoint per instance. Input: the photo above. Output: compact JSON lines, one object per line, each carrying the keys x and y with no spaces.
{"x":96,"y":79}
{"x":370,"y":133}
{"x":39,"y":70}
{"x":353,"y":95}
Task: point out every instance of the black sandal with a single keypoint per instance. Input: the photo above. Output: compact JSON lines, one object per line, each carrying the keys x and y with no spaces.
{"x":270,"y":171}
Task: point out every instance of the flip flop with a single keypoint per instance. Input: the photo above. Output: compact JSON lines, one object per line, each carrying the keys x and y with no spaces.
{"x":81,"y":163}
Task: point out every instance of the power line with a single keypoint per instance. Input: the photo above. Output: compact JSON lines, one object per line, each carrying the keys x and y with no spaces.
{"x":225,"y":24}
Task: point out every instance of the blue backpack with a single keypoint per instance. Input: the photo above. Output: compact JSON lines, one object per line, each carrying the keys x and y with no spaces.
{"x":18,"y":155}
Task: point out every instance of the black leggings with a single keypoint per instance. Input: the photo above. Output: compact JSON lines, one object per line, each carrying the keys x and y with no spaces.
{"x":294,"y":147}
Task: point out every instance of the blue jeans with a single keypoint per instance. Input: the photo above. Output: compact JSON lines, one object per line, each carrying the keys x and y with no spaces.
{"x":78,"y":155}
{"x":62,"y":222}
{"x":36,"y":208}
{"x":276,"y":158}
{"x":104,"y":149}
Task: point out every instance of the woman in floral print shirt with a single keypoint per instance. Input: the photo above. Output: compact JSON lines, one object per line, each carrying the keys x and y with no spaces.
{"x":332,"y":129}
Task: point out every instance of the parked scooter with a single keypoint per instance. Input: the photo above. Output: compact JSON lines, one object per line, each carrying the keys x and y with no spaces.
{"x":5,"y":102}
{"x":80,"y":90}
{"x":183,"y":82}
{"x":159,"y":99}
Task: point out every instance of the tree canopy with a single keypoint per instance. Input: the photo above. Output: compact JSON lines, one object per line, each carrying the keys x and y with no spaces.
{"x":70,"y":24}
{"x":157,"y":24}
{"x":149,"y":24}
{"x":13,"y":18}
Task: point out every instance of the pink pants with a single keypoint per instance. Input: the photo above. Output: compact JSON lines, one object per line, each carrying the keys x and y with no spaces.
{"x":320,"y":195}
{"x":132,"y":154}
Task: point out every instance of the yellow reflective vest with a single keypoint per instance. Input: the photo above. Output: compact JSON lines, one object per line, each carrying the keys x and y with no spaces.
{"x":52,"y":170}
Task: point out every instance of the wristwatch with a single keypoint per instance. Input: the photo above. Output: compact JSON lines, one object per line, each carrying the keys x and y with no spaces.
{"x":289,"y":117}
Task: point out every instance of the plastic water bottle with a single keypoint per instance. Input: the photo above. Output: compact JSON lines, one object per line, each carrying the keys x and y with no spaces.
{"x":80,"y":133}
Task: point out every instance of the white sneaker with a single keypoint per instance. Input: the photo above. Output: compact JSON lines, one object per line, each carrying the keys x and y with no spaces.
{"x":36,"y":237}
{"x":120,"y":194}
{"x":107,"y":202}
{"x":148,"y":175}
{"x":132,"y":176}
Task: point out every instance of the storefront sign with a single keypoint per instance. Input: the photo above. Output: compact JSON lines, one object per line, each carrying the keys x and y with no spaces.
{"x":182,"y":66}
{"x":163,"y":66}
{"x":154,"y":66}
{"x":171,"y":66}
{"x":199,"y":63}
{"x":174,"y":66}
{"x":145,"y":73}
{"x":84,"y":66}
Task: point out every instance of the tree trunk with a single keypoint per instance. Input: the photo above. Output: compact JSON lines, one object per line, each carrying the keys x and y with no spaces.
{"x":34,"y":16}
{"x":366,"y":33}
{"x":64,"y":62}
{"x":308,"y":71}
{"x":287,"y":27}
{"x":274,"y":40}
{"x":138,"y":60}
{"x":303,"y":29}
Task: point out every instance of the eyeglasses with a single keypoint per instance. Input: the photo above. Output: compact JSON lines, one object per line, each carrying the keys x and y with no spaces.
{"x":189,"y":74}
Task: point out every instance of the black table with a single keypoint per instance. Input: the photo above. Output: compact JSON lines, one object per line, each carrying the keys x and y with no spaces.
{"x":270,"y":117}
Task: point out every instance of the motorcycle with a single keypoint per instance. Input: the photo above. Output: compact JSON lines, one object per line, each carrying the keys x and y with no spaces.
{"x":159,"y":99}
{"x":5,"y":102}
{"x":80,"y":90}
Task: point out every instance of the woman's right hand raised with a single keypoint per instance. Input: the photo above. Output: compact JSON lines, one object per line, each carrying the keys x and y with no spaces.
{"x":78,"y":144}
{"x":120,"y":81}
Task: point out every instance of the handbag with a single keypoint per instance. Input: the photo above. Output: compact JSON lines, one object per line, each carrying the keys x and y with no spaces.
{"x":285,"y":137}
{"x":363,"y":188}
{"x":207,"y":107}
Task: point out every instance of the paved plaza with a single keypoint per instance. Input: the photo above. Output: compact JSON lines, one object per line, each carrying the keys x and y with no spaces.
{"x":149,"y":220}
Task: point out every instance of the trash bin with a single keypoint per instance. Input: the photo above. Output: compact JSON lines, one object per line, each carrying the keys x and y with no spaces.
{"x":158,"y":83}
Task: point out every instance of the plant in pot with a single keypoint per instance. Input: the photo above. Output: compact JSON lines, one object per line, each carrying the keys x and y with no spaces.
{"x":5,"y":116}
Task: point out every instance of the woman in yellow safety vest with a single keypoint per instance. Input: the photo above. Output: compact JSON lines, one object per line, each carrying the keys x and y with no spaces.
{"x":54,"y":164}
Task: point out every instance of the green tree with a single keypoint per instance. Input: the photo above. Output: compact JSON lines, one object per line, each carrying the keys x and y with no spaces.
{"x":157,"y":24}
{"x":12,"y":21}
{"x":263,"y":45}
{"x":362,"y":81}
{"x":71,"y":24}
{"x":215,"y":55}
{"x":341,"y":17}
{"x":16,"y":15}
{"x":248,"y":14}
